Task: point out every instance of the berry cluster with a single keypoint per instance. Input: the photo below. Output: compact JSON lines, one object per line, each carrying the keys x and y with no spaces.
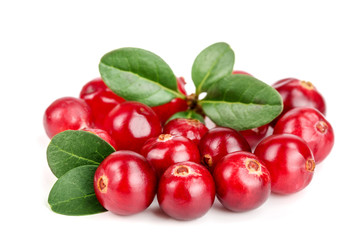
{"x":184,"y":163}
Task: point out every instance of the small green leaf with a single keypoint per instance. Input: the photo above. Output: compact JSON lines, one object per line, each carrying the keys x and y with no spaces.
{"x":74,"y":194}
{"x":212,"y":64}
{"x":70,"y":149}
{"x":241,"y":102}
{"x":188,"y":115}
{"x":139,"y":75}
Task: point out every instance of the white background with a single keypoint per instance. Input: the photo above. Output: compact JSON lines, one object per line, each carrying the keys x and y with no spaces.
{"x":49,"y":50}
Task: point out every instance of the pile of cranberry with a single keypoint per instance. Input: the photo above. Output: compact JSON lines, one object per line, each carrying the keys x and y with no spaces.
{"x":184,"y":162}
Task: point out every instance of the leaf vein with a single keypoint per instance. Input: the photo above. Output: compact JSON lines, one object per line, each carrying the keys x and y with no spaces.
{"x":71,"y":199}
{"x":150,"y":81}
{"x":76,"y":156}
{"x":224,"y":102}
{"x":211,"y":68}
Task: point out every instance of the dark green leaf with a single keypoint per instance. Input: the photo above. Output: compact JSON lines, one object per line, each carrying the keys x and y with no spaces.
{"x":241,"y":102}
{"x":70,"y":149}
{"x":212,"y":64}
{"x":73,"y":193}
{"x":188,"y":115}
{"x":139,"y":75}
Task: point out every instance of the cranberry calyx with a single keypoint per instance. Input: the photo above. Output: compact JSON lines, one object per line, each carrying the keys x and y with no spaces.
{"x":166,"y":150}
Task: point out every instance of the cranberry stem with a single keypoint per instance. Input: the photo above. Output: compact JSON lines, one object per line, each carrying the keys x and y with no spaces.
{"x":192,"y":101}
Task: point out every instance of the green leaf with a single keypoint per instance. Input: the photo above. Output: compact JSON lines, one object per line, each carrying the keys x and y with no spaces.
{"x":188,"y":115}
{"x":212,"y":64}
{"x":70,"y":149}
{"x":74,"y":194}
{"x":241,"y":102}
{"x":139,"y":75}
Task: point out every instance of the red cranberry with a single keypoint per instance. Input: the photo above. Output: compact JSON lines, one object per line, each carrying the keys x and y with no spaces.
{"x":181,"y":85}
{"x":241,"y":72}
{"x":186,"y":191}
{"x":218,"y":142}
{"x":190,"y":128}
{"x":289,"y":160}
{"x":100,"y":99}
{"x":66,"y":113}
{"x":125,"y":183}
{"x":310,"y":125}
{"x":242,"y":182}
{"x":102,"y":134}
{"x":255,"y":135}
{"x":166,"y":150}
{"x":296,"y":93}
{"x":131,"y":124}
{"x":92,"y":88}
{"x":166,"y":110}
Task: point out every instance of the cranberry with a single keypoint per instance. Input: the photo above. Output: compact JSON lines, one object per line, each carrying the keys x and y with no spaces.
{"x":186,"y":191}
{"x":66,"y":113}
{"x":242,"y":181}
{"x":166,"y":110}
{"x":193,"y":129}
{"x":131,"y":124}
{"x":289,"y":160}
{"x":181,"y":85}
{"x":100,"y":99}
{"x":102,"y":134}
{"x":218,"y":142}
{"x":166,"y":150}
{"x":241,"y":72}
{"x":310,"y":125}
{"x":92,"y":88}
{"x":296,"y":93}
{"x":255,"y":135}
{"x":125,"y":183}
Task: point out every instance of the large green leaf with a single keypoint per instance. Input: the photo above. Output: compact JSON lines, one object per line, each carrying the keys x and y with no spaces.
{"x":139,"y":75}
{"x":74,"y":194}
{"x":70,"y":149}
{"x":212,"y":64}
{"x":241,"y":102}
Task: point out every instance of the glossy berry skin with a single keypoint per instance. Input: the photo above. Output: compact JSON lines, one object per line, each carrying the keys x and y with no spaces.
{"x":289,"y":160}
{"x":131,"y":124}
{"x":255,"y":135}
{"x":100,"y":99}
{"x":125,"y":183}
{"x":163,"y":151}
{"x":209,"y":123}
{"x":297,"y":93}
{"x":166,"y":110}
{"x":181,"y":85}
{"x":186,"y":191}
{"x":192,"y":129}
{"x":102,"y":134}
{"x":218,"y":142}
{"x":92,"y":88}
{"x":67,"y":113}
{"x":242,"y":181}
{"x":310,"y":125}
